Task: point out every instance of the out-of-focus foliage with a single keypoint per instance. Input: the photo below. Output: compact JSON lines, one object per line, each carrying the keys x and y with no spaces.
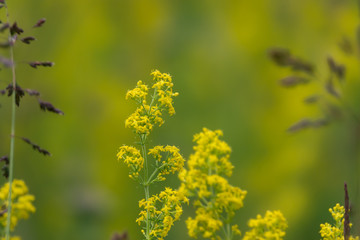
{"x":216,"y":52}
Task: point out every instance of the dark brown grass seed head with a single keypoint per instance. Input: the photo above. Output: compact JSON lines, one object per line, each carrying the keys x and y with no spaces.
{"x":312,"y":99}
{"x":28,"y":40}
{"x":337,"y":69}
{"x":44,"y":64}
{"x":49,"y":107}
{"x":293,"y":81}
{"x":330,"y":88}
{"x":19,"y":93}
{"x":32,"y":92}
{"x":280,"y":56}
{"x":40,"y":23}
{"x":36,"y":147}
{"x":15,"y":29}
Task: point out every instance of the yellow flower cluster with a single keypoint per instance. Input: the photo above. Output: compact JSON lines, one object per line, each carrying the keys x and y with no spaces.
{"x":215,"y":199}
{"x":163,"y":210}
{"x":133,"y":159}
{"x":21,"y":202}
{"x":12,"y":238}
{"x":172,"y":163}
{"x":335,"y":232}
{"x":146,"y":115}
{"x":270,"y":227}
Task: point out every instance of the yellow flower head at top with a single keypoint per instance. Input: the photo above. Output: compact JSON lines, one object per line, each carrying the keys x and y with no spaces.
{"x":149,"y":112}
{"x":205,"y":180}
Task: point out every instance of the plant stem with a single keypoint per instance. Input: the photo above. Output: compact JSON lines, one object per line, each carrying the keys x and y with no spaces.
{"x":146,"y":183}
{"x":12,"y":139}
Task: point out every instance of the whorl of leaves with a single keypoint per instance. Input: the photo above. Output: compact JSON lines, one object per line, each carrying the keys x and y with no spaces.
{"x":36,"y":147}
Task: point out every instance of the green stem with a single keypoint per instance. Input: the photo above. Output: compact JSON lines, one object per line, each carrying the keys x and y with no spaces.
{"x":146,"y":185}
{"x":12,"y":140}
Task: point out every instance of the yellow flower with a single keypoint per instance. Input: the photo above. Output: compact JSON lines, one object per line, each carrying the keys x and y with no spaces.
{"x":270,"y":227}
{"x":21,"y":202}
{"x":139,"y":93}
{"x":146,"y":116}
{"x":132,"y":158}
{"x":336,"y":231}
{"x":215,"y":199}
{"x":12,"y":238}
{"x":173,"y":162}
{"x":163,"y":209}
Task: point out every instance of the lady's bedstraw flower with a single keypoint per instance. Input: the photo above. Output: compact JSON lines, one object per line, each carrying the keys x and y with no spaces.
{"x":149,"y":112}
{"x":270,"y":227}
{"x":21,"y":203}
{"x":336,"y":231}
{"x":163,"y":210}
{"x":158,"y":211}
{"x":215,"y":199}
{"x":172,"y":162}
{"x":133,"y":159}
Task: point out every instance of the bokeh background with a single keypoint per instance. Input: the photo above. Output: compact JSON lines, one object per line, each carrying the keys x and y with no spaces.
{"x":216,"y":52}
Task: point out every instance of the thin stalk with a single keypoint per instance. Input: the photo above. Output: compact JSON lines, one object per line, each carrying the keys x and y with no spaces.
{"x":12,"y":139}
{"x":146,"y":184}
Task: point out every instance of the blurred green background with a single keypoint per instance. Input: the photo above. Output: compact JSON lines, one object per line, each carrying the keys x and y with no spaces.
{"x":216,"y":52}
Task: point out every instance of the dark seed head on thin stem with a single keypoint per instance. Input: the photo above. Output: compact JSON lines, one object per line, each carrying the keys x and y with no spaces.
{"x":36,"y":147}
{"x":44,"y":64}
{"x":15,"y":29}
{"x":28,"y":40}
{"x":49,"y":107}
{"x":40,"y":23}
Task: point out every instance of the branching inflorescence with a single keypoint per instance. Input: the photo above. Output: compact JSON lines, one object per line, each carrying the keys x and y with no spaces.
{"x":159,"y":211}
{"x":215,"y":200}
